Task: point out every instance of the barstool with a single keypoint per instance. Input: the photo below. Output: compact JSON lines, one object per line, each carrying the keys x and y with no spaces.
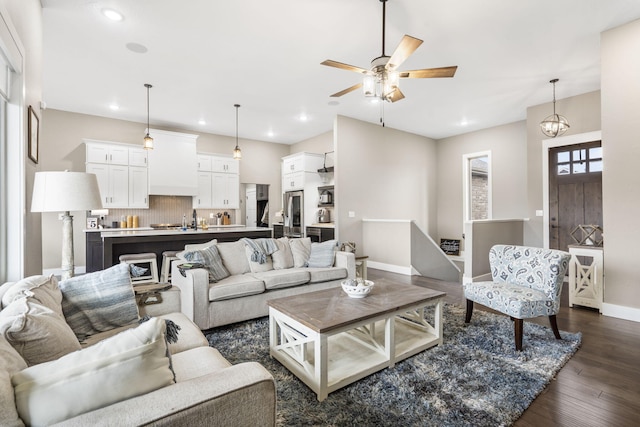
{"x":167,"y":257}
{"x":146,"y":260}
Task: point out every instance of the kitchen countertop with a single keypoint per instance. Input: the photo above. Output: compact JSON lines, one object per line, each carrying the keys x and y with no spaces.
{"x":323,"y":225}
{"x":128,"y":232}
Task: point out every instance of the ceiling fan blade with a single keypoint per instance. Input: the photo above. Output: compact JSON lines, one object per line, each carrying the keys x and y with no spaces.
{"x":428,"y":73}
{"x":406,"y":47}
{"x":336,"y":64}
{"x":396,"y":95}
{"x":347,"y":90}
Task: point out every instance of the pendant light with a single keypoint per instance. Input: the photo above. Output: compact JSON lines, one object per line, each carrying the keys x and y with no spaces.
{"x":555,"y":124}
{"x":148,"y":141}
{"x":237,"y":154}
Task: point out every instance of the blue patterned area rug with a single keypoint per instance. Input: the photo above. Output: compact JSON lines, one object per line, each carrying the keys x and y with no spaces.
{"x":476,"y":378}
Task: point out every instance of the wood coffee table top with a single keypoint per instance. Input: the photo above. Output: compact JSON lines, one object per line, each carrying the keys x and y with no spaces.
{"x":332,"y":308}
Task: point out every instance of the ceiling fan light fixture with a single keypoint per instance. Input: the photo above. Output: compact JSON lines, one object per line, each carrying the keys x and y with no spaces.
{"x":148,"y":141}
{"x":555,"y":124}
{"x":237,"y":153}
{"x":369,"y":85}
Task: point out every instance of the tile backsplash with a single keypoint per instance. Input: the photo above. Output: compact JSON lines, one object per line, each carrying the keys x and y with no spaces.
{"x":166,"y":210}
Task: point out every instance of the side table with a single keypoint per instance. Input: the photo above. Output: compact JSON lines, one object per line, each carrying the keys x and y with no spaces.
{"x":586,"y":276}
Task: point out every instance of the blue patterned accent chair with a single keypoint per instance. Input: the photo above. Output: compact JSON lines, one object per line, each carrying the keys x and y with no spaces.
{"x":527,"y":283}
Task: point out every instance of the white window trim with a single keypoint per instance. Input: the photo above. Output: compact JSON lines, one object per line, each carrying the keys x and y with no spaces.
{"x":466,"y":180}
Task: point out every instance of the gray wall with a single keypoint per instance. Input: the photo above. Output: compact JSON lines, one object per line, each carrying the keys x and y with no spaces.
{"x":620,"y":178}
{"x":382,"y":173}
{"x":507,"y":145}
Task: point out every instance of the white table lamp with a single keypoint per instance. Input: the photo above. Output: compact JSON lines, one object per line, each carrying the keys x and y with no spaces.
{"x":65,"y":192}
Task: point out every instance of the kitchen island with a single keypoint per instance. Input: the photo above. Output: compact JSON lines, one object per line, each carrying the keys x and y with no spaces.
{"x":116,"y":242}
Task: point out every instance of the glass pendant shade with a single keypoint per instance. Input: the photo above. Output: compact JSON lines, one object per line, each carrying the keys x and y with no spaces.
{"x":148,"y":142}
{"x":237,"y":153}
{"x":554,"y":125}
{"x":369,"y":86}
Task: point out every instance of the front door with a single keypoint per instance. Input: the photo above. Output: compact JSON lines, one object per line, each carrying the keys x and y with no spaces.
{"x":575,"y":192}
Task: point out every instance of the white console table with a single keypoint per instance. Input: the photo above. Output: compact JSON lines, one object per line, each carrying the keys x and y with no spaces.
{"x":586,"y":277}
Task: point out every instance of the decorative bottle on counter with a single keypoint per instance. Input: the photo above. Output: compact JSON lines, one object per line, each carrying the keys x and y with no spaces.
{"x":184,"y":222}
{"x":194,"y":222}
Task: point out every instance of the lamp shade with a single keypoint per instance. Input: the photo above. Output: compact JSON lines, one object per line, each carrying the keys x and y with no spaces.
{"x":65,"y":191}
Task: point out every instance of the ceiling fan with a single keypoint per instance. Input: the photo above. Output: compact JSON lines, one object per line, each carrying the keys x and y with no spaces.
{"x":383,"y":78}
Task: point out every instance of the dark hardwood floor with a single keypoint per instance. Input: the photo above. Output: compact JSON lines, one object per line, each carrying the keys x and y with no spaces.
{"x":599,"y":386}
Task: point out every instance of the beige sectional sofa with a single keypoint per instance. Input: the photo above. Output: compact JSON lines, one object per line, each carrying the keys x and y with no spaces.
{"x":297,"y":266}
{"x":125,"y":375}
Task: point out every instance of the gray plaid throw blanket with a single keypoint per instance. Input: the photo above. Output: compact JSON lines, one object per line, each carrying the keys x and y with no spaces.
{"x":261,"y":248}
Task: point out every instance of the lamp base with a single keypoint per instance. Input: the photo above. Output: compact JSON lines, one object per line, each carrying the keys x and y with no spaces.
{"x":67,"y":246}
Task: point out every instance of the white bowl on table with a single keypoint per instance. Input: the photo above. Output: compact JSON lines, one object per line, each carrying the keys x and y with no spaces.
{"x":357,"y":289}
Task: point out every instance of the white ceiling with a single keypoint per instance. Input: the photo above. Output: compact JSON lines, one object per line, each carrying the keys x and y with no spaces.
{"x":206,"y":55}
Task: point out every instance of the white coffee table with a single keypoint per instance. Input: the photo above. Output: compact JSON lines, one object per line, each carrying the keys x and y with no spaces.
{"x":329,"y":340}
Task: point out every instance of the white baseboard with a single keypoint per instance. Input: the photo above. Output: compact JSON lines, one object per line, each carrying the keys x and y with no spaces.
{"x":78,"y":269}
{"x":621,"y":312}
{"x":390,"y":267}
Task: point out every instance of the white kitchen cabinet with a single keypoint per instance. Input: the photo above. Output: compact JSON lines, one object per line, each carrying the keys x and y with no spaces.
{"x":217,"y":191}
{"x":113,"y":181}
{"x":205,"y":162}
{"x":293,"y":181}
{"x":138,"y":187}
{"x":112,"y":154}
{"x":122,"y":173}
{"x":302,"y":162}
{"x":224,"y":164}
{"x":137,"y":157}
{"x":203,"y":198}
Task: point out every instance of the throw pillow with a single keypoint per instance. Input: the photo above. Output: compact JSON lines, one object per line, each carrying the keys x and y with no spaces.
{"x":210,"y":258}
{"x":195,"y":247}
{"x":43,"y":289}
{"x":38,"y":333}
{"x":100,"y":301}
{"x":12,"y":362}
{"x":301,"y":250}
{"x":233,"y":257}
{"x":256,"y":267}
{"x":322,"y":254}
{"x":126,"y":365}
{"x":282,"y":258}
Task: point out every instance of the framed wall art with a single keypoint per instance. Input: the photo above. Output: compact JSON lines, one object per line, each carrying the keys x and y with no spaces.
{"x":34,"y":135}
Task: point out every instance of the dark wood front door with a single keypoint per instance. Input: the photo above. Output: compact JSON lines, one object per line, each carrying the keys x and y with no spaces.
{"x":575,"y":192}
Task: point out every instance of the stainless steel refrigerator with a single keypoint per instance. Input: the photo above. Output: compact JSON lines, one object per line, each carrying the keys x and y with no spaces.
{"x":293,"y":210}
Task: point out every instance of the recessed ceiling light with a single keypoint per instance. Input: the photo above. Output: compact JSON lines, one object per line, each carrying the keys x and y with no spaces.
{"x":303,"y":117}
{"x":270,"y":134}
{"x":114,"y":107}
{"x":112,"y":14}
{"x":202,"y":122}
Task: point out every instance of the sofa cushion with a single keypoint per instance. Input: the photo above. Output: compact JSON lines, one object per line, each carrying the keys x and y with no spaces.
{"x":44,"y":289}
{"x":282,"y":258}
{"x":301,"y":250}
{"x":197,"y":362}
{"x":100,"y":301}
{"x":10,"y":363}
{"x":38,"y":333}
{"x":327,"y":274}
{"x":195,"y":247}
{"x":210,"y":258}
{"x":129,"y":364}
{"x":256,"y":267}
{"x":322,"y":254}
{"x":236,"y":286}
{"x":276,"y":279}
{"x":234,"y":257}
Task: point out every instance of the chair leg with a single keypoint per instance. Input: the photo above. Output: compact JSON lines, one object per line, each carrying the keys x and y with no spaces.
{"x":554,"y":326}
{"x":517,"y":326}
{"x":467,"y":317}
